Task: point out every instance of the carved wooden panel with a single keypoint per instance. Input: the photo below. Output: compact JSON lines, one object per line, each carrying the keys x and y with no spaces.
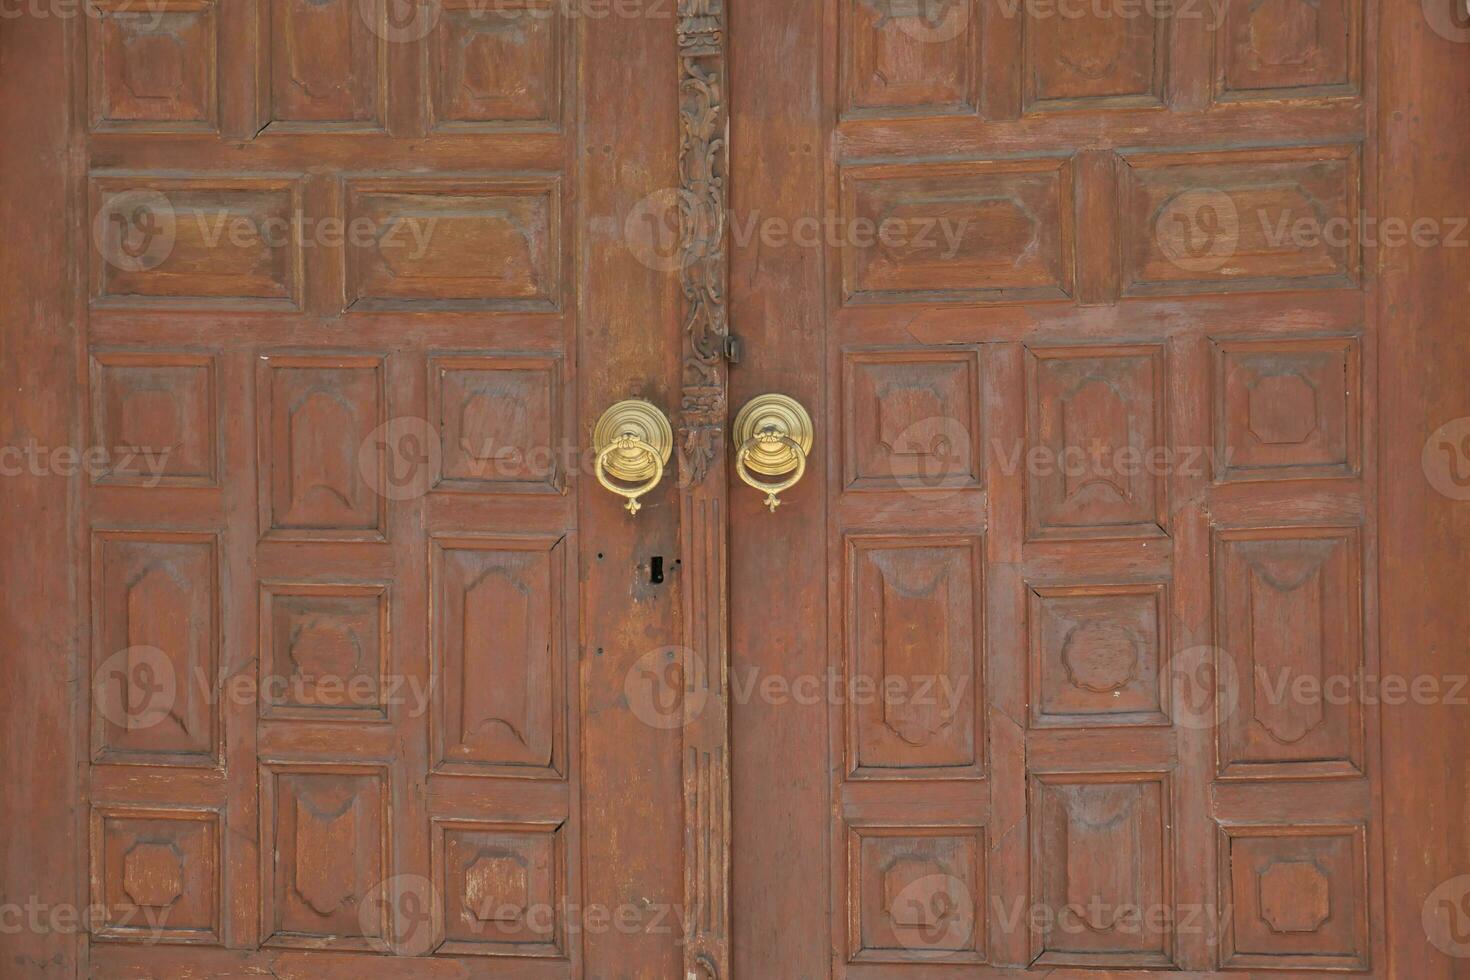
{"x":324,"y":847}
{"x":1083,"y":56}
{"x":319,"y":475}
{"x":1102,"y":868}
{"x":499,"y":420}
{"x":1294,"y":897}
{"x":156,"y":874}
{"x":916,"y":894}
{"x":155,"y":647}
{"x":498,"y":651}
{"x":492,"y":244}
{"x":155,"y":417}
{"x":1287,"y":409}
{"x":1285,"y":49}
{"x":912,"y":420}
{"x":327,"y":63}
{"x":986,"y":231}
{"x":500,"y":887}
{"x":153,"y":65}
{"x":915,"y":655}
{"x":1259,"y":219}
{"x":1095,"y":421}
{"x":1289,"y":615}
{"x":324,"y":651}
{"x":497,"y":66}
{"x":903,"y":58}
{"x":1097,"y":655}
{"x":215,"y":241}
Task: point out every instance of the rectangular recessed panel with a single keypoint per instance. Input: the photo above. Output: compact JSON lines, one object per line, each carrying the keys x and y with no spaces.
{"x":325,"y":855}
{"x":1241,"y":219}
{"x":1294,"y":897}
{"x":1095,"y":433}
{"x":916,"y":894}
{"x":154,"y":65}
{"x":449,"y":243}
{"x":1289,"y":632}
{"x":318,"y":422}
{"x":914,"y":657}
{"x":903,"y":59}
{"x":155,"y":418}
{"x":987,"y":231}
{"x":1102,"y":869}
{"x":499,"y":420}
{"x":155,"y":647}
{"x":496,"y":66}
{"x":497,"y":655}
{"x":1097,"y":655}
{"x":324,"y":651}
{"x":1287,"y":409}
{"x":500,"y":887}
{"x":912,"y":420}
{"x":1090,"y":56}
{"x":156,"y":874}
{"x":1289,"y":49}
{"x":327,"y":63}
{"x":218,"y":241}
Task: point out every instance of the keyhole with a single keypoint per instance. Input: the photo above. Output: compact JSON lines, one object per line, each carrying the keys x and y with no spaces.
{"x":656,"y":570}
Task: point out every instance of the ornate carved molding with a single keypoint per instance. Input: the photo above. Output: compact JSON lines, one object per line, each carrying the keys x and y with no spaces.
{"x":704,"y":531}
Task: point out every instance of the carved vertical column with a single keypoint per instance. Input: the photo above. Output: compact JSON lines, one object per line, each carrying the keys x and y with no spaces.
{"x":703,"y":164}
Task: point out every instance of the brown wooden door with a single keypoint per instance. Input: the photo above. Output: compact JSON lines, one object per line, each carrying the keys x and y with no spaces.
{"x":327,"y":616}
{"x":1072,"y":647}
{"x":1115,"y":623}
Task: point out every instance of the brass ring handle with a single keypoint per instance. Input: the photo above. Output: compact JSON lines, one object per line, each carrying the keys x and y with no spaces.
{"x":623,"y":443}
{"x":775,"y":436}
{"x":633,"y":441}
{"x":771,"y":437}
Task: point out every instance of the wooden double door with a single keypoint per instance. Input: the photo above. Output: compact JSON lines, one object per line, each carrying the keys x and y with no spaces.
{"x":1114,"y":622}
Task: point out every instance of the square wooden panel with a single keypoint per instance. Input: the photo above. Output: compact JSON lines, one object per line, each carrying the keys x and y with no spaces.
{"x":1289,"y":625}
{"x":1095,"y":424}
{"x":1092,"y":57}
{"x":501,"y":888}
{"x":496,"y":67}
{"x":903,"y":59}
{"x":324,"y":651}
{"x":1224,"y":221}
{"x":320,"y":470}
{"x":455,"y":243}
{"x":916,"y":894}
{"x":915,"y":657}
{"x":154,"y":65}
{"x":156,"y":417}
{"x":328,"y":64}
{"x":1289,"y":49}
{"x":1288,"y":409}
{"x":1099,"y":655}
{"x":983,"y":231}
{"x":1294,"y":897}
{"x":498,"y":647}
{"x":156,"y":874}
{"x":1102,"y":869}
{"x":214,"y":242}
{"x":155,"y":647}
{"x":911,"y":420}
{"x":499,"y":419}
{"x":324,"y":849}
